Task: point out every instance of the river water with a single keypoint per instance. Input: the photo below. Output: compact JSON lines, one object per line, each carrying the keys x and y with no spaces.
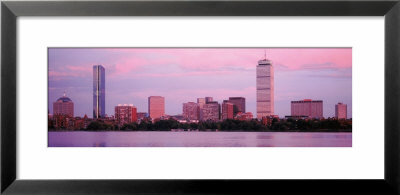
{"x":197,"y":139}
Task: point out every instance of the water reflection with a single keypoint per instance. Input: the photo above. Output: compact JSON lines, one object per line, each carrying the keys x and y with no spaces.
{"x":265,"y":137}
{"x":198,"y":139}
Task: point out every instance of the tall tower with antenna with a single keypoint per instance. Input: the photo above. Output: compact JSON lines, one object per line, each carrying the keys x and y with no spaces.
{"x":265,"y":87}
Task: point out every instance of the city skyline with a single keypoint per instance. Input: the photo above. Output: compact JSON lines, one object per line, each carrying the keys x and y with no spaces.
{"x":176,"y":75}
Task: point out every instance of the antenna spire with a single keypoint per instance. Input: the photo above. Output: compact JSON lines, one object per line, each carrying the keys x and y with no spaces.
{"x":265,"y":54}
{"x":64,"y":93}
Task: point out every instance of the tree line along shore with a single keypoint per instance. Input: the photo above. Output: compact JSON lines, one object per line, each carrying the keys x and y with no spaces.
{"x":276,"y":125}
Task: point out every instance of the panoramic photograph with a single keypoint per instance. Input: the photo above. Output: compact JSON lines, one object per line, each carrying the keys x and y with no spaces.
{"x":199,"y":97}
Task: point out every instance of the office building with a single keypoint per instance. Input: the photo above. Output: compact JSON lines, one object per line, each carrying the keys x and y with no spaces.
{"x":307,"y":107}
{"x":191,"y":111}
{"x":227,"y":110}
{"x":63,"y":106}
{"x":99,"y":92}
{"x":341,"y":111}
{"x":125,"y":113}
{"x":201,"y":102}
{"x":210,"y":111}
{"x":265,"y":88}
{"x":208,"y":99}
{"x":239,"y":104}
{"x":156,"y":107}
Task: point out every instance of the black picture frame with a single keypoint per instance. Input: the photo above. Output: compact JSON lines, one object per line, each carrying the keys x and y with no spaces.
{"x":11,"y":10}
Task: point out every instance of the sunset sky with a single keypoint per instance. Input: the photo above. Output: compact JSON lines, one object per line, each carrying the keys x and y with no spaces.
{"x":184,"y":74}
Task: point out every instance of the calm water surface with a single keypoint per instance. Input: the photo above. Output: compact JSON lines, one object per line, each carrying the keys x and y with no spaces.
{"x":198,"y":139}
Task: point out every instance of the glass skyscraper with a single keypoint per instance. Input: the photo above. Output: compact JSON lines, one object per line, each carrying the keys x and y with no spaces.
{"x":99,"y":92}
{"x":265,"y":88}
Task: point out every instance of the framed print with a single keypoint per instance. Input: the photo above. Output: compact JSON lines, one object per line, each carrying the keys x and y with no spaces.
{"x":199,"y":97}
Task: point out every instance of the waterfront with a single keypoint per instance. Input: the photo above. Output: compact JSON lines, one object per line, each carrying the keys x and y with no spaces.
{"x":198,"y":139}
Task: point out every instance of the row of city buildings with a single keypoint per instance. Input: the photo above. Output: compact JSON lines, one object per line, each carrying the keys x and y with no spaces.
{"x":204,"y":109}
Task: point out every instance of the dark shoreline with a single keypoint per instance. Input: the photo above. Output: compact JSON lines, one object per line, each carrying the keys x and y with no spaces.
{"x":271,"y":131}
{"x":228,"y":125}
